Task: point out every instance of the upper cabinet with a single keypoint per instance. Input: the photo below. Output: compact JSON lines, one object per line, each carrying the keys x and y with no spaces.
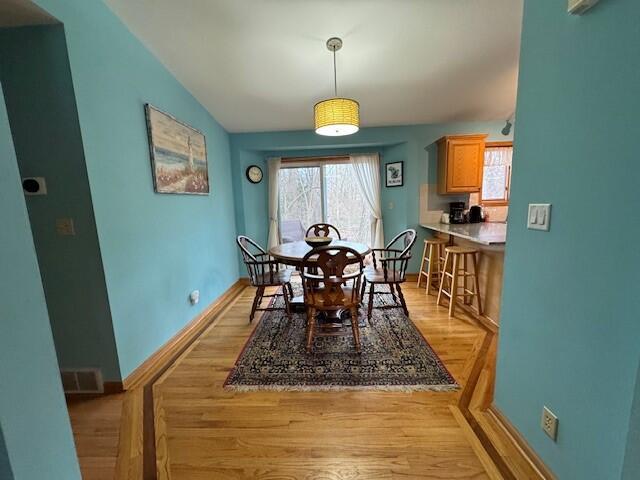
{"x":460,"y":161}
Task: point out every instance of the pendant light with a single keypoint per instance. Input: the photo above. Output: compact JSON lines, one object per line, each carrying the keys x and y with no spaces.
{"x":336,"y":116}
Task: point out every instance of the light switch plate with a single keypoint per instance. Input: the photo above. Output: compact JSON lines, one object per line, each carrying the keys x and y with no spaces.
{"x":539,"y":216}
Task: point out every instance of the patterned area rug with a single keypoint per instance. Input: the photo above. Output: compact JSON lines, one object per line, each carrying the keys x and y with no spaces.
{"x":395,"y":356}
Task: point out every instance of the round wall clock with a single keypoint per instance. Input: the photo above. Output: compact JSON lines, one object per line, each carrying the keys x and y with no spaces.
{"x":254,"y":174}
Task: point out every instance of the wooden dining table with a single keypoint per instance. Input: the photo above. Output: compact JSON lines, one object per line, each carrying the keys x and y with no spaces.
{"x":292,"y":254}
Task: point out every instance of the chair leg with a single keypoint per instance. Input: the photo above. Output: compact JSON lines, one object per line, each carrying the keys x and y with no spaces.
{"x":256,"y":302}
{"x":420,"y":273}
{"x":355,"y":328}
{"x":370,"y":308}
{"x":454,"y":286}
{"x":311,"y":326}
{"x":439,"y":251}
{"x":290,"y":290}
{"x":287,"y":304}
{"x":442,"y":277}
{"x":364,"y":287}
{"x":465,"y":288}
{"x":430,"y":269}
{"x":393,"y":293}
{"x":402,"y":301}
{"x":476,"y":283}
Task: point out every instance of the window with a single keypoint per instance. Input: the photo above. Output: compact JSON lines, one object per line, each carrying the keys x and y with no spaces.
{"x":346,"y":209}
{"x":496,"y":174}
{"x":322,"y":190}
{"x":300,"y":196}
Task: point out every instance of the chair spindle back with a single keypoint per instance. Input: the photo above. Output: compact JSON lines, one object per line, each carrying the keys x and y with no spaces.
{"x":261,"y":267}
{"x":322,"y":230}
{"x":328,"y":270}
{"x":396,"y":256}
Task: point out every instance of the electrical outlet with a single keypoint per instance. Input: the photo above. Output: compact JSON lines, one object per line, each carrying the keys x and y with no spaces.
{"x":549,"y":423}
{"x":194,"y":297}
{"x":65,"y":227}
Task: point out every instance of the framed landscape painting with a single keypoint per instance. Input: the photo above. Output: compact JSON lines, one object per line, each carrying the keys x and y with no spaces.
{"x":394,"y":174}
{"x":178,"y":154}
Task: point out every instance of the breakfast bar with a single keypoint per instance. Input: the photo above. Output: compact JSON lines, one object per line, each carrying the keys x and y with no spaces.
{"x":490,"y":240}
{"x":482,"y":233}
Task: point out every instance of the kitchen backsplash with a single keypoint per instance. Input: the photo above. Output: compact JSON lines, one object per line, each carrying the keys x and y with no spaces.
{"x":431,"y":204}
{"x":494,"y":214}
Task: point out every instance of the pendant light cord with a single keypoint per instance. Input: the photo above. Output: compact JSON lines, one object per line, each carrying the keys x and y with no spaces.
{"x":335,"y":77}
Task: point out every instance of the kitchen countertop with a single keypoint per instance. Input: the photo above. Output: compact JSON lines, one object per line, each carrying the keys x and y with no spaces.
{"x":485,"y":233}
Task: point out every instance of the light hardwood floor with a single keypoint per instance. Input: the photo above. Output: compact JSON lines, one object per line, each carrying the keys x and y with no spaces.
{"x":96,"y":428}
{"x":205,"y":432}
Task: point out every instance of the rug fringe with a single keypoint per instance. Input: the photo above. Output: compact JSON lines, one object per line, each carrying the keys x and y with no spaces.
{"x":339,"y":388}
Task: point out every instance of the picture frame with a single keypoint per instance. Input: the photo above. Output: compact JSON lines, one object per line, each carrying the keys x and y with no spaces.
{"x":394,"y":174}
{"x":178,"y":154}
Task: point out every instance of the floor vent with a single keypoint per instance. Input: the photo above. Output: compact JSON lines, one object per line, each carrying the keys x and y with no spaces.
{"x":82,"y":380}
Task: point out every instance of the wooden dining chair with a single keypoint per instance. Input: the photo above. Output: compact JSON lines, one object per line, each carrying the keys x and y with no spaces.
{"x":323,"y":230}
{"x":264,"y":271}
{"x":324,"y":282}
{"x":389,"y":267}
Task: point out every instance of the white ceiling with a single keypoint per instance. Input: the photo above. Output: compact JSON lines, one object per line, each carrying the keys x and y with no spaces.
{"x":18,"y":13}
{"x":260,"y":65}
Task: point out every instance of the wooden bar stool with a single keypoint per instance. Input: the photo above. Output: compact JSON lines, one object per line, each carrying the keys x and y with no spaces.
{"x":456,"y":265}
{"x":433,"y":249}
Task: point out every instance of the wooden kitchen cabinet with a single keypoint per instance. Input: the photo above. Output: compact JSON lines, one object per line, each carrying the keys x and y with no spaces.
{"x":460,"y":162}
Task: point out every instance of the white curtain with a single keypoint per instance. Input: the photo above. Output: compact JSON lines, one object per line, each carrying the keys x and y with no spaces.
{"x":367,"y":170}
{"x":273,"y":172}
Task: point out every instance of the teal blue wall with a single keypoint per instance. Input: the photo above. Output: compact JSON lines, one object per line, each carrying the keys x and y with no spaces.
{"x":570,"y":314}
{"x":46,"y":134}
{"x":33,"y":416}
{"x":155,"y":248}
{"x":413,"y":144}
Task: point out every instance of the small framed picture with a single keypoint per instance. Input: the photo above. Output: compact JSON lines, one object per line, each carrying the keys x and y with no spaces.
{"x":394,"y":174}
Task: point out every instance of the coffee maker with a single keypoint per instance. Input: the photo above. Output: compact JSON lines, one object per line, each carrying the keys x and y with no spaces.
{"x":456,"y":212}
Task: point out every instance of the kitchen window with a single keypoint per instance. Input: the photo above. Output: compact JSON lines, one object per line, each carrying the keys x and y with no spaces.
{"x":323,"y":190}
{"x":496,"y":174}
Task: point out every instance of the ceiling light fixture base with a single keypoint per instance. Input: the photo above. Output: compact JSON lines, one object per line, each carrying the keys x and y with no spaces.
{"x":334,"y":44}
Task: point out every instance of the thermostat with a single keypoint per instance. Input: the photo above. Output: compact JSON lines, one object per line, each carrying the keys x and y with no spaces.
{"x":34,"y":186}
{"x":578,"y":7}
